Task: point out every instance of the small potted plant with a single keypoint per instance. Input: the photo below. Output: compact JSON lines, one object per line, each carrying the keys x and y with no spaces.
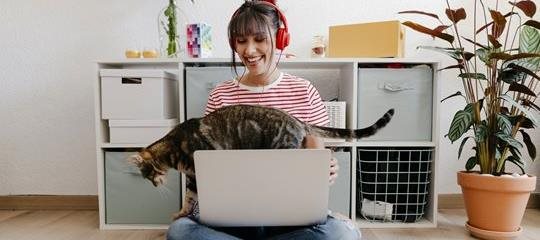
{"x":498,"y":68}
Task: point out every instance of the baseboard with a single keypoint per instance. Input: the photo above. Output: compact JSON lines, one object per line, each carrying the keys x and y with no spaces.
{"x":49,"y":202}
{"x":455,"y":201}
{"x":90,"y":202}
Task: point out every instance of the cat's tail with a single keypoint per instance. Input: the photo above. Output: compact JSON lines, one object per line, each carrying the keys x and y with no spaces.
{"x":327,"y":132}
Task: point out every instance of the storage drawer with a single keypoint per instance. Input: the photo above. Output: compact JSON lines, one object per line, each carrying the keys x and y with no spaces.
{"x":408,"y":91}
{"x":139,"y":131}
{"x":138,"y":94}
{"x":131,"y":199}
{"x":340,"y":192}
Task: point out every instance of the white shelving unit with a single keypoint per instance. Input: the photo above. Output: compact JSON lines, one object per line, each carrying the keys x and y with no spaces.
{"x":344,"y":85}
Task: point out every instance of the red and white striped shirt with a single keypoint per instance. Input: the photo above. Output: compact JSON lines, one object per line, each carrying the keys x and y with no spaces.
{"x":292,"y":94}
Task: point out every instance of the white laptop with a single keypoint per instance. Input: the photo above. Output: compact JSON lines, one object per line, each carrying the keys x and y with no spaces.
{"x":278,"y":187}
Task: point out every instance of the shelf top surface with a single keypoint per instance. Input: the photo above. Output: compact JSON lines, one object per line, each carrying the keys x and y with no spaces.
{"x":143,"y":61}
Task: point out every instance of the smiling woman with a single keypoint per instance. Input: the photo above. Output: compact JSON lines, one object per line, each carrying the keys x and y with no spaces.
{"x":258,"y":34}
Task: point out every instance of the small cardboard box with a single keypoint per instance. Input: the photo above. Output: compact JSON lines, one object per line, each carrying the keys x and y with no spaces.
{"x":376,"y":39}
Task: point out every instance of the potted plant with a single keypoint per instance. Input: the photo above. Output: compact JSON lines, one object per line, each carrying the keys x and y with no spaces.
{"x":500,"y":86}
{"x":170,"y":29}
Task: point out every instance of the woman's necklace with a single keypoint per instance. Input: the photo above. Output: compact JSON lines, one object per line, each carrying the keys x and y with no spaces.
{"x":259,"y":93}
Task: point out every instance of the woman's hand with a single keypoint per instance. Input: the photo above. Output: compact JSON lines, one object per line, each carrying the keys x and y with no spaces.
{"x":334,"y":167}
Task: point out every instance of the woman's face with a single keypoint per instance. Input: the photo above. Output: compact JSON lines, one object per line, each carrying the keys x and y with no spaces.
{"x":255,"y":51}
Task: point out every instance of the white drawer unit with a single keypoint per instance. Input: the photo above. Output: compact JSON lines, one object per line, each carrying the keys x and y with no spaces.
{"x":408,"y":91}
{"x":136,"y":99}
{"x":138,"y":94}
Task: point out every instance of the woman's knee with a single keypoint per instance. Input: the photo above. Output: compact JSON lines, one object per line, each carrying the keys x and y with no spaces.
{"x":179,"y":228}
{"x":344,"y":229}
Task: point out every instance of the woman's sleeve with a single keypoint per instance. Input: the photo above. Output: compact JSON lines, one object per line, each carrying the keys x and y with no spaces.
{"x":211,"y":104}
{"x":319,"y":115}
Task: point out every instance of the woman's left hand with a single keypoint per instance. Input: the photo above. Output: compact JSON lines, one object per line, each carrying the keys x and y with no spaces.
{"x":334,"y":167}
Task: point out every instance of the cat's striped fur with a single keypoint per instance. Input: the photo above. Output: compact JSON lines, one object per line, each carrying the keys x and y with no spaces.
{"x":232,"y":127}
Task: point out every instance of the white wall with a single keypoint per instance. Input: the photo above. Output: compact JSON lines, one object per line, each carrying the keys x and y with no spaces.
{"x":47,"y":71}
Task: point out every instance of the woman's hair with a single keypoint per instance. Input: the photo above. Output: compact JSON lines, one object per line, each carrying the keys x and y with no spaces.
{"x":251,"y":18}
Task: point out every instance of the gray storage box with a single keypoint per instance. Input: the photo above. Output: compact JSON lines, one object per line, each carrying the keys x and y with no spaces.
{"x":131,"y":199}
{"x":408,"y":90}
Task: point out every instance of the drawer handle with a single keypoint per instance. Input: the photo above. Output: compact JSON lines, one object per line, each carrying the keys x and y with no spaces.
{"x":395,"y":88}
{"x":127,"y":80}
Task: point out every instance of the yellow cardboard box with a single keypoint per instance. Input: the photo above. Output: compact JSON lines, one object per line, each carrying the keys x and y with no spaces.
{"x":376,"y":39}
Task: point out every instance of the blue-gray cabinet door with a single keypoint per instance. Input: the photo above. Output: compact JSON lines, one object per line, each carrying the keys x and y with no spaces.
{"x":131,"y":199}
{"x":199,"y":82}
{"x":408,"y":90}
{"x":340,"y":192}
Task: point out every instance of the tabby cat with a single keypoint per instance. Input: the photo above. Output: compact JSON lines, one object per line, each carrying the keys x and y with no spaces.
{"x":231,"y":127}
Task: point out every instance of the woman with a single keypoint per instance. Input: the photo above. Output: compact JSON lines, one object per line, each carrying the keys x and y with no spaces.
{"x":258,"y":34}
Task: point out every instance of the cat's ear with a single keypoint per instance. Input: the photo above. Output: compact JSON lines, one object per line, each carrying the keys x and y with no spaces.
{"x":135,"y":159}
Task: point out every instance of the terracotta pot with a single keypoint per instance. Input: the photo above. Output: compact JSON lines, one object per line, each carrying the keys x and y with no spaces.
{"x":495,"y":205}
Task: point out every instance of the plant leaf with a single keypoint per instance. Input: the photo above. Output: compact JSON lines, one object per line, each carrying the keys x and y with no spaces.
{"x":480,"y":134}
{"x":517,"y":87}
{"x":456,"y":15}
{"x":521,"y":108}
{"x":532,"y":23}
{"x":508,"y":57}
{"x":529,"y":103}
{"x":523,"y":70}
{"x":420,"y":12}
{"x":468,"y":55}
{"x":515,"y":152}
{"x":458,"y":93}
{"x":504,"y":124}
{"x":531,"y":149}
{"x":483,"y":54}
{"x":475,"y":43}
{"x":461,"y":146}
{"x":463,"y":119}
{"x":447,"y":37}
{"x":441,"y":28}
{"x":517,"y":162}
{"x":490,"y":23}
{"x":529,"y":42}
{"x":494,"y":41}
{"x":460,"y":66}
{"x":523,"y":121}
{"x":471,"y":163}
{"x":454,"y":53}
{"x":473,"y":75}
{"x":528,"y":7}
{"x":499,"y":23}
{"x":509,"y":139}
{"x":508,"y":76}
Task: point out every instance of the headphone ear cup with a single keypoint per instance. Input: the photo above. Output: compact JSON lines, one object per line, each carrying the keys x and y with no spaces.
{"x":282,"y":39}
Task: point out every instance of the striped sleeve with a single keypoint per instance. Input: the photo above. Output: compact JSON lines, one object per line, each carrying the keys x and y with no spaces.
{"x":211,"y":104}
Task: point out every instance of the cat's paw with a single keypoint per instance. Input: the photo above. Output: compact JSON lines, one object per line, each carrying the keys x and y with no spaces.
{"x":181,"y":214}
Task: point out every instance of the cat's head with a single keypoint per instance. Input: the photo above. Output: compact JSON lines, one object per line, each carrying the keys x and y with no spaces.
{"x":152,"y":169}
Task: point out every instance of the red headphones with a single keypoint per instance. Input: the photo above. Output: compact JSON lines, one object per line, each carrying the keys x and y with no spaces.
{"x":282,"y":35}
